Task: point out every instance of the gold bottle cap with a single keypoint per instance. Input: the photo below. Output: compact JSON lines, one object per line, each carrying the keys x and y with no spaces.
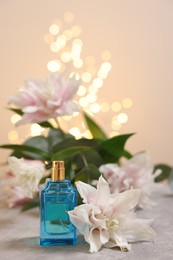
{"x":58,"y":171}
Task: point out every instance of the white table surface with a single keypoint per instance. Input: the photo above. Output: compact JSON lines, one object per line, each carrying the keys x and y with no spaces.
{"x":19,"y":237}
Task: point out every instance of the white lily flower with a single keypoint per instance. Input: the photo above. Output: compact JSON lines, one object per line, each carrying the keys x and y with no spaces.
{"x":108,"y":219}
{"x":27,"y":174}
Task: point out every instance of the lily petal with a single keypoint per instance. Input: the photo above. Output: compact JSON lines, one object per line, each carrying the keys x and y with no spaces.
{"x":135,"y":229}
{"x":93,"y":238}
{"x":103,"y":193}
{"x":86,"y":191}
{"x":120,"y":241}
{"x":125,"y":201}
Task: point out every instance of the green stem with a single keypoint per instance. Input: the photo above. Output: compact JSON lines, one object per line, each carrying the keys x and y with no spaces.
{"x":57,"y":123}
{"x":84,"y":160}
{"x":58,"y":126}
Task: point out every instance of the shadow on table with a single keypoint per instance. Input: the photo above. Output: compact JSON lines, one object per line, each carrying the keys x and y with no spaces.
{"x":32,"y":243}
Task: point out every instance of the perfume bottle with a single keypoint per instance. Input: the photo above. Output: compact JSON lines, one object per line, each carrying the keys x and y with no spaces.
{"x":57,"y":196}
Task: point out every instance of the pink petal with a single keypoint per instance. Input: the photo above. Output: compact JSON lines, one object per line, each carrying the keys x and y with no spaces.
{"x":86,"y":191}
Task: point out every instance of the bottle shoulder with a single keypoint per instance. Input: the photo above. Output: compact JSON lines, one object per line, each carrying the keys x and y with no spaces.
{"x":57,"y":186}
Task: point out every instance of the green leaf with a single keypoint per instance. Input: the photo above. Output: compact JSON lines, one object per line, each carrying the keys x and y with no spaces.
{"x":68,"y":152}
{"x":166,"y":171}
{"x":95,"y":130}
{"x":45,"y":124}
{"x":39,"y":142}
{"x":127,"y":154}
{"x":91,"y":156}
{"x":57,"y":136}
{"x":87,"y":174}
{"x":112,"y":149}
{"x":70,"y":142}
{"x":30,"y":204}
{"x":16,"y":110}
{"x":42,"y":155}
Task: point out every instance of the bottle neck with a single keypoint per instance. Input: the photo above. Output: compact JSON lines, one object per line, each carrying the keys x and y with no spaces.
{"x":58,"y":171}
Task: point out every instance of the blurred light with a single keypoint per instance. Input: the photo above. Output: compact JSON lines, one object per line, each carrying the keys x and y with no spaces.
{"x":122,"y":118}
{"x":76,"y":30}
{"x":68,"y":34}
{"x":116,"y":106}
{"x":95,"y":108}
{"x":91,"y":97}
{"x":115,"y":124}
{"x":86,"y":77}
{"x":106,"y":66}
{"x":15,"y":118}
{"x":75,"y":54}
{"x":115,"y":133}
{"x":61,"y":42}
{"x":54,"y":29}
{"x":65,"y":57}
{"x":83,"y":102}
{"x":81,"y":91}
{"x":78,"y":42}
{"x":102,"y":74}
{"x":54,"y":47}
{"x":13,"y":136}
{"x":83,"y":125}
{"x":75,"y":113}
{"x":90,"y":61}
{"x":127,"y":103}
{"x":97,"y":83}
{"x":75,"y":75}
{"x":105,"y":107}
{"x":92,"y":89}
{"x":67,"y":118}
{"x":68,"y":17}
{"x":36,"y":129}
{"x":75,"y":131}
{"x":78,"y":63}
{"x":87,"y":134}
{"x":106,"y":55}
{"x":53,"y":66}
{"x":48,"y":38}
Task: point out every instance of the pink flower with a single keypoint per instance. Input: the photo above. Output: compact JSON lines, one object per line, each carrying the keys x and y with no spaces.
{"x":21,"y":183}
{"x":136,"y":172}
{"x":15,"y":196}
{"x":27,"y":174}
{"x":40,"y":100}
{"x":10,"y":195}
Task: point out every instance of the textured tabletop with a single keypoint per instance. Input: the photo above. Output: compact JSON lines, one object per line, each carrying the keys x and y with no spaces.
{"x":19,"y":236}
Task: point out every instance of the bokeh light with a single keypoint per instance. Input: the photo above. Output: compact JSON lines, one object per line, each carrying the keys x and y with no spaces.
{"x":64,"y":39}
{"x":122,"y":118}
{"x":36,"y":129}
{"x":127,"y":103}
{"x":68,"y":17}
{"x":13,"y":136}
{"x":54,"y":29}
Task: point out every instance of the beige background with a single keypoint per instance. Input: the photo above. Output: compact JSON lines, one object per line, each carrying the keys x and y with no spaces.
{"x":140,"y":37}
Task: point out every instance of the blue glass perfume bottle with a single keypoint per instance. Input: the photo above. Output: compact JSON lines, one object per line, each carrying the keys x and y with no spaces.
{"x":57,"y":196}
